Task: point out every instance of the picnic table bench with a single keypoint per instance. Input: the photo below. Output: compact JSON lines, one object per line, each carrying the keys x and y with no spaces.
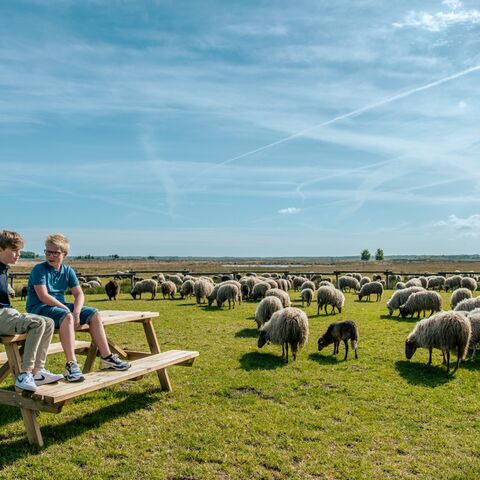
{"x":51,"y":398}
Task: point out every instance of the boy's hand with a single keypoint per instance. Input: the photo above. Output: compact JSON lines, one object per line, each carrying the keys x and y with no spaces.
{"x":76,"y":320}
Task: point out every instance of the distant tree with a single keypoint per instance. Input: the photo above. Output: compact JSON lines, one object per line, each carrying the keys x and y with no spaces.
{"x":365,"y":255}
{"x":26,"y":254}
{"x":114,"y":256}
{"x":379,"y":254}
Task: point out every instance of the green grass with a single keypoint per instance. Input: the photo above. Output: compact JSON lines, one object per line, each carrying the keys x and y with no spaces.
{"x":241,"y":412}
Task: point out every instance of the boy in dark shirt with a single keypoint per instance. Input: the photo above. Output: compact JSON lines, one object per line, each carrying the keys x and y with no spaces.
{"x":39,"y":329}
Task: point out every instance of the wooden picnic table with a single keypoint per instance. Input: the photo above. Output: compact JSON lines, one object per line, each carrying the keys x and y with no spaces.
{"x":51,"y":398}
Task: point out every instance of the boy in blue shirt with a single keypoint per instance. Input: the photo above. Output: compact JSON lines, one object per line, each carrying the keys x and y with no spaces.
{"x":39,"y":329}
{"x":46,"y":296}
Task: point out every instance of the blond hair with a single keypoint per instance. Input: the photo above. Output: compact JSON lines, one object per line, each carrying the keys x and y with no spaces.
{"x":11,"y":240}
{"x":59,"y":240}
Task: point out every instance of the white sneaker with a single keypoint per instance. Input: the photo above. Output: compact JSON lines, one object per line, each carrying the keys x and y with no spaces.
{"x":25,"y":382}
{"x":44,"y":377}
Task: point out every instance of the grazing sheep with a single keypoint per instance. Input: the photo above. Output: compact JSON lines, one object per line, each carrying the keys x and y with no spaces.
{"x":282,"y":284}
{"x":112,"y":289}
{"x":226,"y":276}
{"x":330,"y":296}
{"x":271,"y":282}
{"x":421,"y":302}
{"x":160,"y":277}
{"x":266,"y":308}
{"x":298,"y":281}
{"x":259,"y":290}
{"x":213,"y":295}
{"x":458,"y":295}
{"x":228,"y":292}
{"x":203,"y":288}
{"x":94,"y":284}
{"x":445,"y":331}
{"x":423,"y":281}
{"x":414,"y":282}
{"x":369,"y":288}
{"x":384,"y":284}
{"x":145,"y":286}
{"x":325,"y":283}
{"x":336,"y":332}
{"x":364,"y":280}
{"x":94,"y":278}
{"x":451,"y":283}
{"x":187,"y":288}
{"x":176,"y":279}
{"x":436,"y":282}
{"x":245,"y":291}
{"x":376,"y":277}
{"x":288,"y":326}
{"x":119,"y":275}
{"x":307,"y":296}
{"x":392,"y":280}
{"x":307,"y":284}
{"x":24,"y":293}
{"x":400,"y":297}
{"x":468,"y":304}
{"x":238,"y":285}
{"x":400,"y":286}
{"x":474,"y":319}
{"x":357,"y":276}
{"x":283,"y":296}
{"x":349,"y":283}
{"x":469,"y":283}
{"x":169,"y":289}
{"x":82,"y":279}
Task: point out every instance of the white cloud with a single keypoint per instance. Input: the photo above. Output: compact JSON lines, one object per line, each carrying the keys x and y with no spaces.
{"x":289,"y":211}
{"x":436,"y":22}
{"x":469,"y":226}
{"x":462,"y":104}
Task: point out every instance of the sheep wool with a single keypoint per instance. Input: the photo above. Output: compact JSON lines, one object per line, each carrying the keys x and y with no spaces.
{"x":458,"y":295}
{"x":399,"y":297}
{"x":228,"y":292}
{"x":169,"y":289}
{"x":307,"y":296}
{"x":283,"y":296}
{"x":330,"y":296}
{"x":266,"y":308}
{"x":421,"y":302}
{"x":145,"y":286}
{"x":369,"y":288}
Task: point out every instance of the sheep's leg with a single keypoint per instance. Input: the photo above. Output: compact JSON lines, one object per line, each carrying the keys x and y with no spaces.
{"x":429,"y":356}
{"x":286,"y":348}
{"x":318,"y":310}
{"x":346,"y":348}
{"x":283,"y":350}
{"x":448,"y":361}
{"x":294,"y":351}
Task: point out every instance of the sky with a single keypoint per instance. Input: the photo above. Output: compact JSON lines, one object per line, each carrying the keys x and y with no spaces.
{"x":241,"y":128}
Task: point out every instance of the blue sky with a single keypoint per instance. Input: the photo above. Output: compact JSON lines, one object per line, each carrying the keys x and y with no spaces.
{"x":241,"y":128}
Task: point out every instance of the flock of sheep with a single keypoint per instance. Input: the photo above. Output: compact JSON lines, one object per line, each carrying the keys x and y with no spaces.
{"x":280,"y":323}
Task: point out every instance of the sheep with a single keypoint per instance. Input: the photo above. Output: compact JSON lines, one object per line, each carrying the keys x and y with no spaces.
{"x":228,"y":292}
{"x":169,"y":289}
{"x":474,"y":319}
{"x":325,"y":283}
{"x":357,"y":275}
{"x":112,"y":289}
{"x":392,"y":280}
{"x":364,"y":280}
{"x":436,"y":282}
{"x":421,"y":301}
{"x":283,"y":296}
{"x":81,"y":279}
{"x":337,"y":332}
{"x":160,"y":277}
{"x":307,"y":284}
{"x":203,"y":288}
{"x":307,"y":296}
{"x":176,"y":279}
{"x":445,"y":331}
{"x":226,"y":276}
{"x":400,"y":297}
{"x":458,"y":295}
{"x":376,"y":277}
{"x":119,"y":275}
{"x":266,"y":308}
{"x":298,"y":281}
{"x":259,"y":290}
{"x":330,"y":296}
{"x":400,"y":286}
{"x":245,"y":291}
{"x":271,"y":282}
{"x":282,"y":284}
{"x":94,"y":284}
{"x":451,"y":283}
{"x":288,"y":326}
{"x":383,"y":283}
{"x":414,"y":282}
{"x":369,"y":288}
{"x":148,"y":285}
{"x":24,"y":293}
{"x":94,"y":278}
{"x":468,"y":304}
{"x":469,"y":283}
{"x":349,"y":283}
{"x":187,"y":288}
{"x":238,"y":285}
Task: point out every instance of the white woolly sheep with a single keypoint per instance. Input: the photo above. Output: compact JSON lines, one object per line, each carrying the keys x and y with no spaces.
{"x":336,"y":332}
{"x":283,"y":284}
{"x":288,"y":326}
{"x":451,"y":283}
{"x":203,"y":288}
{"x":228,"y":292}
{"x":330,"y":296}
{"x":369,"y":288}
{"x":271,"y":282}
{"x":145,"y":286}
{"x":325,"y":283}
{"x":266,"y":308}
{"x":307,"y":296}
{"x":283,"y":296}
{"x":468,"y":304}
{"x":187,"y":289}
{"x":169,"y":289}
{"x":348,"y":283}
{"x":469,"y":283}
{"x":176,"y":279}
{"x":458,"y":295}
{"x":94,"y":284}
{"x":445,"y":331}
{"x":94,"y":278}
{"x":400,"y":286}
{"x":364,"y":280}
{"x":259,"y":290}
{"x":399,"y":297}
{"x":298,"y":281}
{"x":307,"y":284}
{"x":474,"y":319}
{"x":421,"y":302}
{"x":414,"y":282}
{"x":392,"y":280}
{"x":436,"y":282}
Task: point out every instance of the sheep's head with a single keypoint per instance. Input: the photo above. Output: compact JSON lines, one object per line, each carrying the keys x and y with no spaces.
{"x":133,"y":294}
{"x":360,"y":297}
{"x":410,"y":349}
{"x":262,"y":339}
{"x":322,"y":343}
{"x":403,"y":311}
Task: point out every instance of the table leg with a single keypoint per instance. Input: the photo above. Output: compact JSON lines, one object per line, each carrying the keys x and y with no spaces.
{"x":91,"y":356}
{"x":155,"y":348}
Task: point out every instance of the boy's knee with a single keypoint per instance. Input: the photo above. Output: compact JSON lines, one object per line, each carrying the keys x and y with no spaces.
{"x":67,"y":319}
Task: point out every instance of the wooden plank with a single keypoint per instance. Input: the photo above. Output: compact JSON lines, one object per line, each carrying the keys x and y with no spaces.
{"x":16,"y":399}
{"x":134,"y":355}
{"x":155,"y":348}
{"x":96,"y":380}
{"x":91,"y":357}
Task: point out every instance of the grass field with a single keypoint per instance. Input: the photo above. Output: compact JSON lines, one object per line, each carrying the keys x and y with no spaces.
{"x":241,"y":412}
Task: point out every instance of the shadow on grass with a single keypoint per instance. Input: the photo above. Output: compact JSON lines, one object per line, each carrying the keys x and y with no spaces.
{"x":247,"y":333}
{"x":325,"y":358}
{"x":261,"y":361}
{"x":398,"y":318}
{"x":11,"y":451}
{"x":187,"y":305}
{"x":417,"y":373}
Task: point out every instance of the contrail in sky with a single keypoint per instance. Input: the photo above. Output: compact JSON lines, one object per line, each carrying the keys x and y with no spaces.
{"x":351,"y":114}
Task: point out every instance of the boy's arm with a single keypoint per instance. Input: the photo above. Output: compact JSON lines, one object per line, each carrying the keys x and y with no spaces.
{"x":47,"y":299}
{"x":78,"y":302}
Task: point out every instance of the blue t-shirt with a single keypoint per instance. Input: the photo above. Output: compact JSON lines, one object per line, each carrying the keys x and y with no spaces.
{"x":56,"y":281}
